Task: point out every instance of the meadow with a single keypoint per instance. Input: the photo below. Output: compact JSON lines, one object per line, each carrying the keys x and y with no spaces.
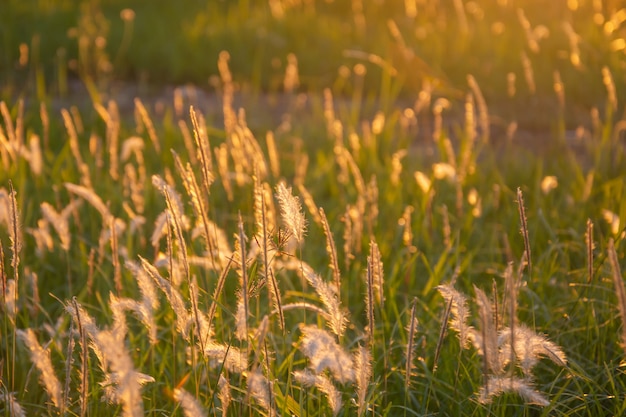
{"x":312,"y":208}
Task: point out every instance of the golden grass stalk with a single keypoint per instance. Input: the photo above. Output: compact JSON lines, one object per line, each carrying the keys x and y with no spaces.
{"x":197,"y":202}
{"x":291,"y":212}
{"x":590,"y":246}
{"x":8,"y":123}
{"x":309,"y":202}
{"x":112,"y":119}
{"x":609,"y":84}
{"x":524,"y":229}
{"x":241,"y":316}
{"x":618,"y":281}
{"x":83,"y":168}
{"x":322,"y":383}
{"x":363,"y":375}
{"x":117,"y":270}
{"x":221,"y":154}
{"x":410,"y":346}
{"x":369,"y":301}
{"x":272,"y":152}
{"x":41,"y":359}
{"x":331,"y":250}
{"x":84,"y":367}
{"x":175,"y":209}
{"x":191,"y":406}
{"x":145,"y":118}
{"x":483,"y":113}
{"x":15,"y":238}
{"x":529,"y":75}
{"x":323,"y":353}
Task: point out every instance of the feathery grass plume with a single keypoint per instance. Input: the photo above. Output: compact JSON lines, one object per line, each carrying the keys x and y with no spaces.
{"x":241,"y":316}
{"x":223,"y":393}
{"x":203,"y":149}
{"x":322,"y":383}
{"x":331,"y":250}
{"x":84,"y":369}
{"x":175,"y":209}
{"x":363,"y":376}
{"x":524,"y":228}
{"x":15,"y":235}
{"x":302,"y":164}
{"x":396,"y":166}
{"x":69,"y":362}
{"x":460,"y":313}
{"x":259,"y":388}
{"x":487,"y":342}
{"x":123,"y":374}
{"x":89,"y":195}
{"x":291,"y":212}
{"x":228,"y":91}
{"x":529,"y":348}
{"x":378,"y":278}
{"x":229,"y":357}
{"x":371,"y":196}
{"x":13,"y":407}
{"x":59,"y":221}
{"x":323,"y":352}
{"x":497,"y":385}
{"x":272,"y":152}
{"x":191,"y":406}
{"x":189,"y":142}
{"x":35,"y":159}
{"x":41,"y":359}
{"x":83,"y":168}
{"x":309,"y":202}
{"x":369,"y":302}
{"x":512,"y":287}
{"x":609,"y":84}
{"x":590,"y":246}
{"x":173,"y":296}
{"x":618,"y":281}
{"x":111,"y":117}
{"x":291,"y":81}
{"x":483,"y":113}
{"x":330,"y":298}
{"x":529,"y":74}
{"x":197,"y":202}
{"x":221,"y":154}
{"x":268,"y":250}
{"x":145,"y":118}
{"x":117,"y":270}
{"x":410,"y":346}
{"x":349,"y":238}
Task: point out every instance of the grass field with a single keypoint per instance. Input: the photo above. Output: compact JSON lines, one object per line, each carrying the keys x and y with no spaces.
{"x":312,"y":208}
